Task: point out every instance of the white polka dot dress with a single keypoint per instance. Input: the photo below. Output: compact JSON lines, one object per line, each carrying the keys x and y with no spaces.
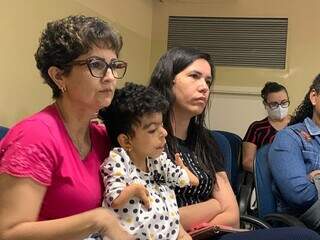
{"x":161,"y":221}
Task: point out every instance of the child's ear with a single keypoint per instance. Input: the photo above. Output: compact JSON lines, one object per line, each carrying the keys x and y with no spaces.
{"x":124,"y":142}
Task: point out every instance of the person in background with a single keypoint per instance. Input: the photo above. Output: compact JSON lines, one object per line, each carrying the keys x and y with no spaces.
{"x":184,"y":76}
{"x":139,"y":178}
{"x":294,"y":158}
{"x":276,"y":102}
{"x":51,"y":187}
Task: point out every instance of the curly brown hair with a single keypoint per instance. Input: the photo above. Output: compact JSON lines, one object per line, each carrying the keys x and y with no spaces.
{"x":128,"y":106}
{"x":66,"y":39}
{"x":305,"y":109}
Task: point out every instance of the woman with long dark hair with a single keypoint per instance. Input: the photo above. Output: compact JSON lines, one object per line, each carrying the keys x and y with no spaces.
{"x":184,"y":76}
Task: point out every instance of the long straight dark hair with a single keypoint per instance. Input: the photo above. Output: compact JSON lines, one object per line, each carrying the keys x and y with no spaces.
{"x":198,"y":136}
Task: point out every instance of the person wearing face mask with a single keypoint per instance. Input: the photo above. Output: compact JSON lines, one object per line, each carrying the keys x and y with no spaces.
{"x":294,"y":160}
{"x":276,"y":102}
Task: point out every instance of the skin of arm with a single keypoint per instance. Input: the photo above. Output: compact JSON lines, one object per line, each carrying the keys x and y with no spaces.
{"x":134,"y":190}
{"x":20,"y":203}
{"x":249,"y":151}
{"x":223,"y":193}
{"x":183,"y":235}
{"x":199,"y":213}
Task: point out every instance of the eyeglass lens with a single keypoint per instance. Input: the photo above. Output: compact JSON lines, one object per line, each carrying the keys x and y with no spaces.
{"x":99,"y":67}
{"x":274,"y":105}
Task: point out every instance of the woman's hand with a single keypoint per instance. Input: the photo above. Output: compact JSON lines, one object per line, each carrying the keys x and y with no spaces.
{"x":312,"y":174}
{"x":194,"y":181}
{"x":183,"y":235}
{"x":110,"y":227}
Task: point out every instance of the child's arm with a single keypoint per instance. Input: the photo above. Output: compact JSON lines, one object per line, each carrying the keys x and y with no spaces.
{"x":133,"y":190}
{"x":194,"y":181}
{"x":183,"y":235}
{"x":115,"y":172}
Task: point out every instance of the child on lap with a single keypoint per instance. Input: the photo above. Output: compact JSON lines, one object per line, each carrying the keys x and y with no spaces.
{"x":138,"y":176}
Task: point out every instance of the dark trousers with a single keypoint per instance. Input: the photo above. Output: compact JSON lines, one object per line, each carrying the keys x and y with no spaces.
{"x":285,"y":233}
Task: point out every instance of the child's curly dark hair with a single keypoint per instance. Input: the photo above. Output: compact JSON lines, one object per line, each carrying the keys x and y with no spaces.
{"x":128,"y":106}
{"x":66,"y":39}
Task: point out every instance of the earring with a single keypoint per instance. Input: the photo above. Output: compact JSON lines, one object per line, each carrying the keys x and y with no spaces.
{"x":129,"y":149}
{"x":63,"y":89}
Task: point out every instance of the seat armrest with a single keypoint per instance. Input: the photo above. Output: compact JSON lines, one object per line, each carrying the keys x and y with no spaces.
{"x":285,"y":219}
{"x":257,"y":223}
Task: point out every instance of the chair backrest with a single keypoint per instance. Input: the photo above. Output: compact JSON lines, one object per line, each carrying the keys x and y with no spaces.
{"x":3,"y":131}
{"x":225,"y":149}
{"x":235,"y":142}
{"x":266,"y":201}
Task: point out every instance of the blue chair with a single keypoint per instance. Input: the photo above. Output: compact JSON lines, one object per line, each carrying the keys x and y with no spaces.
{"x":225,"y":149}
{"x":241,"y":181}
{"x":266,"y":201}
{"x":235,"y":143}
{"x":3,"y":131}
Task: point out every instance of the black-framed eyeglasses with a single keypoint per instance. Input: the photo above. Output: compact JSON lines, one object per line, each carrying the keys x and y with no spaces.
{"x":274,"y":105}
{"x":98,"y":67}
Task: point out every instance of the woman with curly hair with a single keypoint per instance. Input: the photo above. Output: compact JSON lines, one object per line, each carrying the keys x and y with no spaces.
{"x":294,"y":158}
{"x":49,"y":162}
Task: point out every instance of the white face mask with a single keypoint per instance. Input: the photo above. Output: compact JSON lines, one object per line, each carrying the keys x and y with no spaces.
{"x":278,"y":113}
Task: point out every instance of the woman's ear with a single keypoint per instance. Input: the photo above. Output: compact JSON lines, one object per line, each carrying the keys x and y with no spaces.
{"x":56,"y":74}
{"x":124,"y":142}
{"x":313,"y":97}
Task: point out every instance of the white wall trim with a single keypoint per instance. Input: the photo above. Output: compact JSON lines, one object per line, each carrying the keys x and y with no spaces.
{"x":236,"y":90}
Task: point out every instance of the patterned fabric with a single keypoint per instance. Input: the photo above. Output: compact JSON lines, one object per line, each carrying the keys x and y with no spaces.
{"x":161,"y":221}
{"x":40,"y":148}
{"x":190,"y":194}
{"x":260,"y":133}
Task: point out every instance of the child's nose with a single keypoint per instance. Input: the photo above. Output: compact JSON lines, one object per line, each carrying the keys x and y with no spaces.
{"x":164,"y":132}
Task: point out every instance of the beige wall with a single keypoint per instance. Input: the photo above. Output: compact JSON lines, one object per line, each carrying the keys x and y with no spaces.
{"x":303,"y":47}
{"x":21,"y":91}
{"x":144,"y":24}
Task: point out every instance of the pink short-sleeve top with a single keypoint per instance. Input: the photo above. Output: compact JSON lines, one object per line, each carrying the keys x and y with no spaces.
{"x":40,"y":148}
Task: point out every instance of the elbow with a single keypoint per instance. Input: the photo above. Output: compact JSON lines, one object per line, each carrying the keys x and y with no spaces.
{"x":303,"y":202}
{"x":235,"y":222}
{"x":303,"y":198}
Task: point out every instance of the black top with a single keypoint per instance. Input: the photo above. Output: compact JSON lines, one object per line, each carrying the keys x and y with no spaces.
{"x":191,"y":195}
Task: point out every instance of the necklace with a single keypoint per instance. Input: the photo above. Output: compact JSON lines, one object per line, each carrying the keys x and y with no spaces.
{"x":82,"y":147}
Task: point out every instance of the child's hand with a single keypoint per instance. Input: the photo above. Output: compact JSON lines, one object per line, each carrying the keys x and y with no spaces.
{"x":139,"y":190}
{"x":194,"y":181}
{"x":183,"y":235}
{"x":133,"y":190}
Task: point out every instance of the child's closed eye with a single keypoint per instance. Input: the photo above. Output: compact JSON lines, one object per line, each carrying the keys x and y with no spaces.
{"x":152,"y":130}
